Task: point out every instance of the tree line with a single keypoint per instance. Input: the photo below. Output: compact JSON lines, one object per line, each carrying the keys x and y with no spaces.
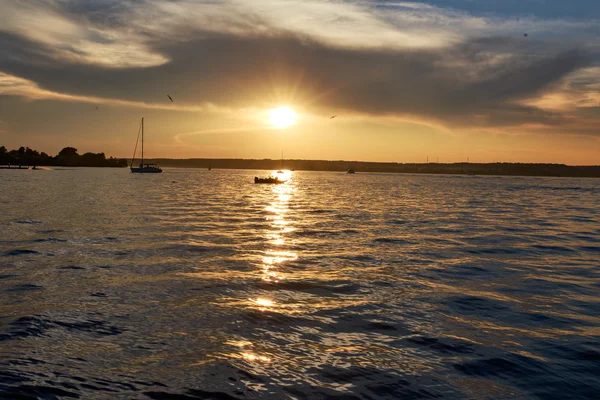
{"x":67,"y":157}
{"x":509,"y":169}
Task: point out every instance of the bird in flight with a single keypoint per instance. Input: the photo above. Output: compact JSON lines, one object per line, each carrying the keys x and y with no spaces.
{"x":525,"y":35}
{"x":333,"y":116}
{"x":170,"y":98}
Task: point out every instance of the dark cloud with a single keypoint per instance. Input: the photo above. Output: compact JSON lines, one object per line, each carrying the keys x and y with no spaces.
{"x":477,"y":82}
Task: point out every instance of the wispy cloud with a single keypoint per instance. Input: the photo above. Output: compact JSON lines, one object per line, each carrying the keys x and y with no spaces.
{"x":76,"y":38}
{"x":15,"y":86}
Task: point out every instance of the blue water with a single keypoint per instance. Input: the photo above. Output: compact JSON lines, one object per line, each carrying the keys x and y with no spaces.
{"x":196,"y":284}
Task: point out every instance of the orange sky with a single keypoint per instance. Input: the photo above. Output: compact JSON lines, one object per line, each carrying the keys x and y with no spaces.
{"x":407,"y":81}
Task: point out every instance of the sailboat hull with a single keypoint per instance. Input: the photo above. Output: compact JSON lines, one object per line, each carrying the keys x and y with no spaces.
{"x":146,"y":170}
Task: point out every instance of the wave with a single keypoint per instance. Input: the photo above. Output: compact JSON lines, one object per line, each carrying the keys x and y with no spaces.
{"x":20,"y":252}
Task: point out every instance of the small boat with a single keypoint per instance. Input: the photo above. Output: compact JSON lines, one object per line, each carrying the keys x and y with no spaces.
{"x":271,"y":180}
{"x":143,"y":168}
{"x":350,"y":171}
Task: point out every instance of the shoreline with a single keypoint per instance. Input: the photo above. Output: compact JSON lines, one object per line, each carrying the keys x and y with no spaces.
{"x":463,"y":169}
{"x":500,"y":169}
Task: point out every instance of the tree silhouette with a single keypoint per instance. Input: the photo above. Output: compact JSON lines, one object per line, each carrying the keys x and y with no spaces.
{"x":68,"y":152}
{"x":66,"y":157}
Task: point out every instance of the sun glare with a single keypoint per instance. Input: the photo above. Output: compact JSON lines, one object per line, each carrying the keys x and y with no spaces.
{"x":282,"y":117}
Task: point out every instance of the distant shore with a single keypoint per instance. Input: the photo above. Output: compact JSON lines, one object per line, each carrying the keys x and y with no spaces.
{"x":68,"y":157}
{"x":509,"y":169}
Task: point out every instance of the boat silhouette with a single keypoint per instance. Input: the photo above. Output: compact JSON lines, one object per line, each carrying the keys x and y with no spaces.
{"x":271,"y":180}
{"x":143,"y":168}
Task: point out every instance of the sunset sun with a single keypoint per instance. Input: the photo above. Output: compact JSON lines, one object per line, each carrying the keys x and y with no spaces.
{"x":282,"y":117}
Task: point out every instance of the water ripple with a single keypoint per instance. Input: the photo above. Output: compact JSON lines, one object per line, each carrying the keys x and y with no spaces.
{"x":197,"y":284}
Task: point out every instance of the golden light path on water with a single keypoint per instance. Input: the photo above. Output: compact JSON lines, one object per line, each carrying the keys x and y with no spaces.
{"x":278,"y":271}
{"x":276,"y":255}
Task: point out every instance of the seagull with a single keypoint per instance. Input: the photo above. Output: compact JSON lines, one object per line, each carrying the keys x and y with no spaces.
{"x":170,"y":98}
{"x":333,"y":116}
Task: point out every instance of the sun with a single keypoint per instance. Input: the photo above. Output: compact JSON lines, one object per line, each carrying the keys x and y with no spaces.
{"x":282,"y":117}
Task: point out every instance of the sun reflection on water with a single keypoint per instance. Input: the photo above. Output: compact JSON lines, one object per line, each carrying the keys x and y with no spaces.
{"x":255,"y":357}
{"x":271,"y":262}
{"x":246,"y":352}
{"x":284,"y":175}
{"x":279,"y":226}
{"x":263,"y":303}
{"x":270,"y":269}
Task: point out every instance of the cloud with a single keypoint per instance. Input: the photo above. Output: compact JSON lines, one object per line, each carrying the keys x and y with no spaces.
{"x":121,"y":33}
{"x":468,"y":80}
{"x":403,"y":59}
{"x":580,"y":90}
{"x":15,"y":86}
{"x":75,"y":38}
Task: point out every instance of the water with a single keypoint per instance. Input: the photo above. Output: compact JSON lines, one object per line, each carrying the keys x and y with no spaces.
{"x":201,"y":284}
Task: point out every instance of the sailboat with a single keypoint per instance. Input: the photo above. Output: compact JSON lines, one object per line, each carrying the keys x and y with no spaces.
{"x":143,"y":168}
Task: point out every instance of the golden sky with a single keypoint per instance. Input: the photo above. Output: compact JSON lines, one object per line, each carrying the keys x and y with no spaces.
{"x":406,"y":80}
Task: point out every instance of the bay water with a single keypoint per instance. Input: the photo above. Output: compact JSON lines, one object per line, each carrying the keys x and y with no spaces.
{"x":200,"y":284}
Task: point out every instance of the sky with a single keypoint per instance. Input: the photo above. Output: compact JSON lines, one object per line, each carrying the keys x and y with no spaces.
{"x":437,"y":80}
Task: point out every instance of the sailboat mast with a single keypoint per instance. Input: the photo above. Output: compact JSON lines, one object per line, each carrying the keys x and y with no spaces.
{"x":142,"y":142}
